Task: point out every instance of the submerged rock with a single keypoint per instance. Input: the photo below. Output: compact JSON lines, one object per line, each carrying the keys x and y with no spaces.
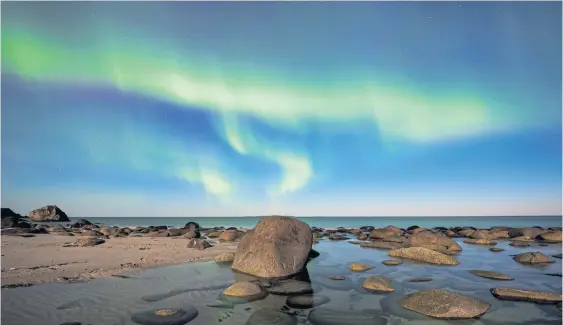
{"x":392,"y":262}
{"x":423,"y":255}
{"x":491,"y":275}
{"x":444,"y":304}
{"x":532,"y":258}
{"x":277,"y":247}
{"x":496,"y":249}
{"x":243,"y":289}
{"x":48,"y":213}
{"x":378,"y":284}
{"x":415,"y":280}
{"x":381,"y":245}
{"x":512,"y":294}
{"x":171,"y":316}
{"x":306,"y":301}
{"x":290,"y":287}
{"x":327,"y":316}
{"x":359,"y":267}
{"x":337,"y":277}
{"x":270,"y":317}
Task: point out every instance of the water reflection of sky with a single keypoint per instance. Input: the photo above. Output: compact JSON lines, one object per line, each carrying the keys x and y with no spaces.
{"x":113,"y":300}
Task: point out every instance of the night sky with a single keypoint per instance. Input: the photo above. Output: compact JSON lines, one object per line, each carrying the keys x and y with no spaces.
{"x":307,"y":109}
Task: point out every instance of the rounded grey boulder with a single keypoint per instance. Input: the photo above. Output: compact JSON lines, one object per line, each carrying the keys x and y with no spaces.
{"x":277,"y":247}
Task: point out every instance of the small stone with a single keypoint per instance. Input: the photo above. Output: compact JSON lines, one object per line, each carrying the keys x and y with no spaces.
{"x":290,"y":287}
{"x":378,"y":284}
{"x":225,"y":257}
{"x":166,"y":316}
{"x":392,"y":262}
{"x":513,"y":294}
{"x":480,"y":241}
{"x":496,"y":249}
{"x":444,"y":304}
{"x":359,"y":267}
{"x":491,"y":275}
{"x":416,"y":280}
{"x":337,"y":277}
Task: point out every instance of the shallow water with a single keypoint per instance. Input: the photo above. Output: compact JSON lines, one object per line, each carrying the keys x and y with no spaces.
{"x":112,"y":301}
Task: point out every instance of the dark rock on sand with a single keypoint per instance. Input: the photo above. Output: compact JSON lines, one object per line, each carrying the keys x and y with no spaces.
{"x":277,"y":247}
{"x":491,"y":275}
{"x":81,"y":223}
{"x":306,"y":301}
{"x":328,"y":316}
{"x":532,"y":258}
{"x":378,"y":284}
{"x":230,"y":235}
{"x":159,"y":233}
{"x":192,"y":225}
{"x":496,"y":249}
{"x":444,"y":304}
{"x":200,"y":244}
{"x":425,"y":255}
{"x":290,"y":287}
{"x":513,"y":294}
{"x":14,"y":222}
{"x":48,"y":213}
{"x":434,"y":241}
{"x":392,"y":262}
{"x":170,"y":316}
{"x":192,"y":234}
{"x":359,"y":267}
{"x":175,"y":232}
{"x":7,"y":212}
{"x":271,"y":317}
{"x":86,"y":242}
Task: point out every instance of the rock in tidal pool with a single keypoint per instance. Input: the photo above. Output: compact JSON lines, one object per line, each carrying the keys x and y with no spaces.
{"x":433,"y":241}
{"x":359,"y":267}
{"x":416,"y":280}
{"x":270,"y":317}
{"x":243,"y":289}
{"x":491,"y":275}
{"x":532,"y":258}
{"x":306,"y":301}
{"x":326,"y":316}
{"x":559,"y":306}
{"x":276,"y":247}
{"x":378,"y":284}
{"x":170,"y":316}
{"x":225,"y":257}
{"x":496,"y":249}
{"x":539,"y":297}
{"x":557,"y":255}
{"x":483,"y":241}
{"x":290,"y":287}
{"x":444,"y":304}
{"x":519,"y":244}
{"x":381,"y":245}
{"x":337,"y":277}
{"x":344,"y":284}
{"x":422,"y":254}
{"x":392,"y":262}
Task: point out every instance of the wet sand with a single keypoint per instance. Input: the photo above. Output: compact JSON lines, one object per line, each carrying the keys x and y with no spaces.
{"x":43,"y":259}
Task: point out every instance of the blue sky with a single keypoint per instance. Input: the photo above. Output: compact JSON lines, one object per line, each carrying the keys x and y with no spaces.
{"x":319,"y":108}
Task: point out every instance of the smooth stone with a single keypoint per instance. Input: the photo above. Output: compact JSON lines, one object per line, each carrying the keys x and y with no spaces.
{"x":306,"y":301}
{"x":326,"y":316}
{"x":378,"y":284}
{"x":415,"y":280}
{"x":242,"y":292}
{"x":359,"y":267}
{"x":532,"y":258}
{"x":425,"y":255}
{"x":444,"y":304}
{"x":271,"y":317}
{"x":496,"y":249}
{"x":491,"y":275}
{"x":480,"y":242}
{"x":290,"y":287}
{"x":513,"y":294}
{"x":392,"y":262}
{"x":345,"y":284}
{"x":166,"y":316}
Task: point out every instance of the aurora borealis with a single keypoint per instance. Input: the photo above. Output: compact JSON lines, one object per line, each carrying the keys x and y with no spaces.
{"x":302,"y":108}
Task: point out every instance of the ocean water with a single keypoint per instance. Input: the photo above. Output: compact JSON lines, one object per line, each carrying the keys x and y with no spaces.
{"x":112,"y":301}
{"x":333,"y":222}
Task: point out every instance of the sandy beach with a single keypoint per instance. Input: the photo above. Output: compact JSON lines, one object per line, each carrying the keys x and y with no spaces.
{"x":43,"y":259}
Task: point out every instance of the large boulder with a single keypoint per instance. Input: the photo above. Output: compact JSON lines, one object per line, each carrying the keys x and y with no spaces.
{"x":531,"y":232}
{"x":48,"y":213}
{"x":436,"y":242}
{"x":277,"y":247}
{"x":425,"y":255}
